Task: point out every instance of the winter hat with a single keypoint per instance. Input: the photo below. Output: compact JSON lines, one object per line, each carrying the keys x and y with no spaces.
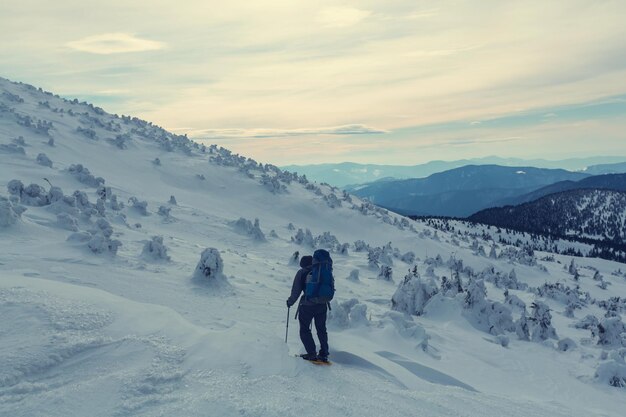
{"x":306,"y":261}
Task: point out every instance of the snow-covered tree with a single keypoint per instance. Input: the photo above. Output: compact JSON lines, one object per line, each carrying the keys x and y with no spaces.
{"x":522,"y":326}
{"x":42,"y":159}
{"x":155,"y":250}
{"x":385,"y":273}
{"x":246,"y":227}
{"x":140,"y":206}
{"x":354,"y":275}
{"x":210,"y":268}
{"x":83,"y":175}
{"x":9,"y":214}
{"x":610,"y":332}
{"x":408,"y":257}
{"x":413,"y":294}
{"x":304,"y":238}
{"x":541,"y":322}
{"x":566,"y":344}
{"x":349,"y":313}
{"x":360,"y":246}
{"x":295,"y":258}
{"x":173,"y":201}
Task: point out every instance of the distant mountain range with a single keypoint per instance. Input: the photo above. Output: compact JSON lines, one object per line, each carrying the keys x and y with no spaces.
{"x":461,"y":191}
{"x":592,"y":214}
{"x":606,"y":182}
{"x":349,"y":173}
{"x":616,"y":168}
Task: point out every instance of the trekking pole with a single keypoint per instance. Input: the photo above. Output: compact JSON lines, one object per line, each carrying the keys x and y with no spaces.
{"x":287,"y":329}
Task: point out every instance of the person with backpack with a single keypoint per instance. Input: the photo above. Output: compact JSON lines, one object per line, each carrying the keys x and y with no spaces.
{"x":315,"y":280}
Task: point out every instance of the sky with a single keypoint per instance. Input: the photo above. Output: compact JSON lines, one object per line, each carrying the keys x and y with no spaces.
{"x":387,"y":82}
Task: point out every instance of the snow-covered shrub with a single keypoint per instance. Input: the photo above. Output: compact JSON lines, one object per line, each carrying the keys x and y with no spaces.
{"x":408,"y":257}
{"x":522,"y":256}
{"x":450,"y":287}
{"x":173,"y":201}
{"x":487,"y":315}
{"x":589,"y":322}
{"x":385,"y":273}
{"x":86,"y":132}
{"x":101,"y":244}
{"x":332,"y":200}
{"x":210,"y":268}
{"x":246,"y":227}
{"x":98,"y":239}
{"x":116,"y":205}
{"x":295,"y":258}
{"x":272,"y":184}
{"x":563,"y":294}
{"x":155,"y":250}
{"x":164,"y":211}
{"x":34,"y":195}
{"x":361,"y":246}
{"x":348,"y":313}
{"x":139,"y":206}
{"x":372,"y":259}
{"x":613,"y":372}
{"x":42,"y":159}
{"x":304,"y":238}
{"x":541,"y":320}
{"x":9,"y":214}
{"x":55,"y":194}
{"x":513,"y":300}
{"x":413,"y":294}
{"x":566,"y":344}
{"x":67,"y":221}
{"x":614,"y":306}
{"x":83,"y":175}
{"x":326,"y":241}
{"x":354,"y":275}
{"x":610,"y":332}
{"x":15,"y":187}
{"x":121,"y":141}
{"x":522,"y":326}
{"x":12,"y":148}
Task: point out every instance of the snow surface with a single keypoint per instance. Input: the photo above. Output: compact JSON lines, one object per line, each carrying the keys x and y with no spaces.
{"x":112,"y":333}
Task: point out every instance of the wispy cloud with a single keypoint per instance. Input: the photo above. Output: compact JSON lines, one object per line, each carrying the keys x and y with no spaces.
{"x":355,"y":129}
{"x":114,"y":43}
{"x":338,"y":17}
{"x":396,"y":65}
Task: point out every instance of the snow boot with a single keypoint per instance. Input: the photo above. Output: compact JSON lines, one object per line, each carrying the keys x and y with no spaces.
{"x":309,"y":357}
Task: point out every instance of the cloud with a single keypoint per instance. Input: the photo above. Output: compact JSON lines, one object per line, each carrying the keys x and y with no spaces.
{"x":114,"y":43}
{"x":337,"y":17}
{"x":355,"y":129}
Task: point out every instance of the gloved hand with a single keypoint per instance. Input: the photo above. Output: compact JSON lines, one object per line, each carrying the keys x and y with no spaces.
{"x":288,"y":303}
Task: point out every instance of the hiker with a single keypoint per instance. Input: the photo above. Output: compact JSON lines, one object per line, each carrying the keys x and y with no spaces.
{"x":316,"y":281}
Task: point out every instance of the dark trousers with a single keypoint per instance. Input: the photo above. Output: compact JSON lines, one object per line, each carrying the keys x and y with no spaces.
{"x":306,"y":314}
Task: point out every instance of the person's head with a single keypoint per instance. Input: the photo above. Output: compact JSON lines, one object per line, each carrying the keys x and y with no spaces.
{"x":306,"y":261}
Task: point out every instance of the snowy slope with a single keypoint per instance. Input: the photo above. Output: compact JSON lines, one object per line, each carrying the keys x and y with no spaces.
{"x":91,"y":330}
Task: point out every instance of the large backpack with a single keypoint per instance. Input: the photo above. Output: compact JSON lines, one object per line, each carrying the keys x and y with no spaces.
{"x":320,"y":283}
